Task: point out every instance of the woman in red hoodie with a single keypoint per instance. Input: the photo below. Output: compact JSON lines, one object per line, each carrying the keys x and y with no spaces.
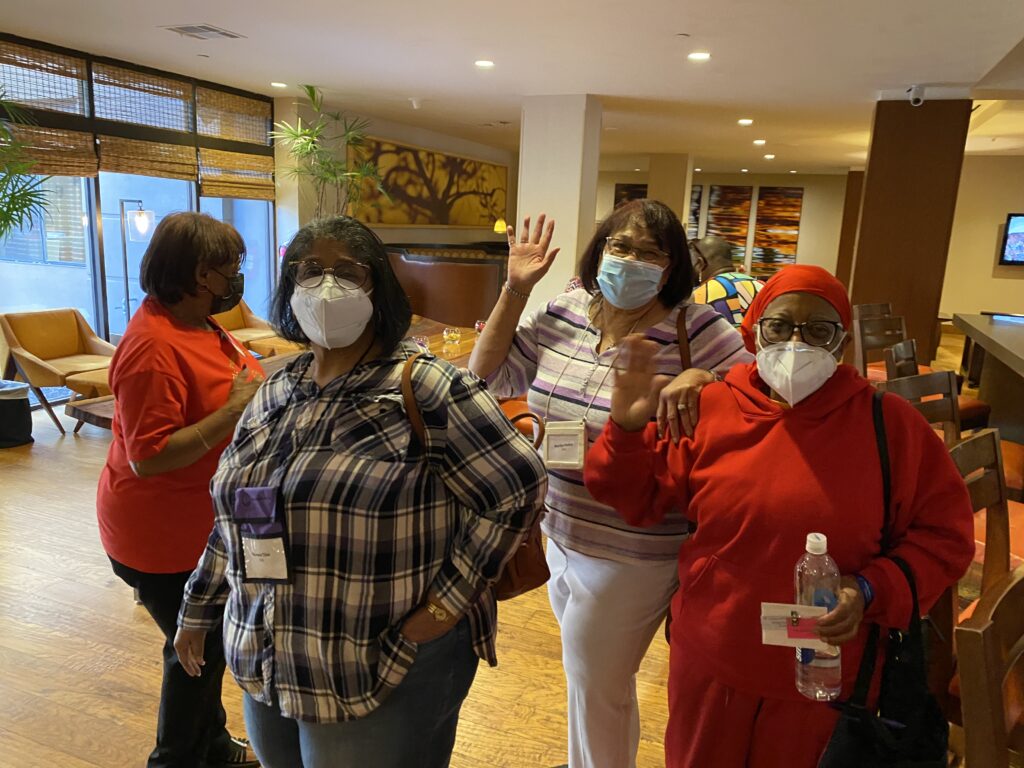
{"x":784,"y":446}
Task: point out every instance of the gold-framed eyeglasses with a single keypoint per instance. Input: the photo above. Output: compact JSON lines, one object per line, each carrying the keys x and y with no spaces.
{"x":817,"y":333}
{"x":623,"y":248}
{"x":309,"y":273}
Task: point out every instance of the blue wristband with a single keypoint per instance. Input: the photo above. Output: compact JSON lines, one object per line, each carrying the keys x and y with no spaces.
{"x":865,"y":589}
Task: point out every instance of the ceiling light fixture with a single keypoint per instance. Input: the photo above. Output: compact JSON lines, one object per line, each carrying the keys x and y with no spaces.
{"x":696,"y":170}
{"x":744,"y":170}
{"x":746,"y":122}
{"x":279,"y":85}
{"x":760,"y":142}
{"x":483,"y":64}
{"x":769,"y":157}
{"x":636,"y":169}
{"x":792,"y":171}
{"x":699,"y":56}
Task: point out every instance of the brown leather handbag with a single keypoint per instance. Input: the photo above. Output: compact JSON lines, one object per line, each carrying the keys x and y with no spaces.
{"x":528,"y":568}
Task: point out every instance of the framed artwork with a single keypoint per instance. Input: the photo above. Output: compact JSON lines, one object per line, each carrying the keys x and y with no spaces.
{"x":429,"y":188}
{"x":777,"y":229}
{"x":693,"y":220}
{"x":626,"y":192}
{"x":729,"y":217}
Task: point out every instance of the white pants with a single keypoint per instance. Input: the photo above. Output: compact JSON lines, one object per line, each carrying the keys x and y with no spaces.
{"x":608,"y":612}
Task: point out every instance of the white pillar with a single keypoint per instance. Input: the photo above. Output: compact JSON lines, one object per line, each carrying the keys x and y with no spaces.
{"x":559,"y":148}
{"x":669,"y":178}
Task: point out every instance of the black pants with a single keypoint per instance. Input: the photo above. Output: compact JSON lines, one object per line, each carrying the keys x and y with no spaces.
{"x":190,"y":729}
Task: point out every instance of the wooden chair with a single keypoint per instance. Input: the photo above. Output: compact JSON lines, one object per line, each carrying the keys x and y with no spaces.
{"x":49,"y":346}
{"x":990,"y":647}
{"x":981,"y":465}
{"x":864,"y":311}
{"x":934,"y":396}
{"x":873,"y":335}
{"x":901,"y":361}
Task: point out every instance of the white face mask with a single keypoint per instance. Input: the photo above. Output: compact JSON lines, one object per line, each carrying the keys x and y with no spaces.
{"x":795,"y":370}
{"x":332,"y":315}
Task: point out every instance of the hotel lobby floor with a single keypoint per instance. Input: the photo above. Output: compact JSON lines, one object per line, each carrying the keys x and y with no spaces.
{"x":80,"y":662}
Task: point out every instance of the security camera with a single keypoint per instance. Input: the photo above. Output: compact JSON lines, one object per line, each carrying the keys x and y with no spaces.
{"x":915,"y":94}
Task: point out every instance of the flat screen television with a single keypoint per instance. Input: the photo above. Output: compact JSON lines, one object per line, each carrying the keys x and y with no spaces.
{"x":1012,"y":252}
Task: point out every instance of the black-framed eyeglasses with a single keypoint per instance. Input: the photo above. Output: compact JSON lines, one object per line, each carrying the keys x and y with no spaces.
{"x":309,"y":273}
{"x":622,"y":248}
{"x":817,"y":333}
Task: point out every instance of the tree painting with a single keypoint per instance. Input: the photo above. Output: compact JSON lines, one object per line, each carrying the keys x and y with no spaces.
{"x":431,"y":188}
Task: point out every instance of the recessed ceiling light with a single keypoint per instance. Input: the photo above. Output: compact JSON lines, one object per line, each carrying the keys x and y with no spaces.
{"x":745,"y":122}
{"x":636,"y":169}
{"x":699,"y":56}
{"x":484,"y":64}
{"x":696,"y":170}
{"x":760,"y":142}
{"x":792,"y":171}
{"x":279,"y":85}
{"x":744,"y":170}
{"x":769,"y":157}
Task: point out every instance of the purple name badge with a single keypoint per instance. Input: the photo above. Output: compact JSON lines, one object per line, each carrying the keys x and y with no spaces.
{"x":256,"y":511}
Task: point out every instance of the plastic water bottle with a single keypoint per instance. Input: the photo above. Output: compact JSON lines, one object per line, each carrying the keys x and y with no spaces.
{"x":819,"y":674}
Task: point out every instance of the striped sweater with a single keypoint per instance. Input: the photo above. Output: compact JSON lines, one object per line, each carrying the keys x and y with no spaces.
{"x":555,"y":345}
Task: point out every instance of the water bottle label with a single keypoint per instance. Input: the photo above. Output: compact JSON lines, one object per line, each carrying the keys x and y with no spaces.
{"x":804,"y":655}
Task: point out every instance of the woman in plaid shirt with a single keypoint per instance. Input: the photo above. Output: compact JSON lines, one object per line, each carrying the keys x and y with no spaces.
{"x":350,"y":564}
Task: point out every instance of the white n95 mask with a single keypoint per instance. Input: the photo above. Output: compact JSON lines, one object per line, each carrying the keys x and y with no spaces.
{"x":334,"y":314}
{"x":795,"y":370}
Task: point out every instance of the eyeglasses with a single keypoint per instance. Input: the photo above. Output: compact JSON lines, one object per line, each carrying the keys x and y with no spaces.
{"x":817,"y":333}
{"x":617,"y":246}
{"x":310,"y":273}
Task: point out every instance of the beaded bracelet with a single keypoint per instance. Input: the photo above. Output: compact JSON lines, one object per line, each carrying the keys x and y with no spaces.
{"x":513,"y":292}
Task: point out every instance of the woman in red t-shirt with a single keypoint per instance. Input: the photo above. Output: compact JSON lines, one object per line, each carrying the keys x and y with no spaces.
{"x":180,"y":383}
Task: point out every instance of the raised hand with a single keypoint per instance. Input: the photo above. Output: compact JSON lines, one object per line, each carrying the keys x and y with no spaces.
{"x":636,"y":388}
{"x":528,"y":257}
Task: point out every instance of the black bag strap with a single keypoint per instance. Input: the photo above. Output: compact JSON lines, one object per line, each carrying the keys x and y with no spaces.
{"x":867,"y":662}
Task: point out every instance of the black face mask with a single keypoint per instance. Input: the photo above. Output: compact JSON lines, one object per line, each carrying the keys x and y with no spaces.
{"x":236,"y":287}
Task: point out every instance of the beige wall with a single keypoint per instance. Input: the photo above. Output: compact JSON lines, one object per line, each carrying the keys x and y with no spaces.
{"x":294,"y":207}
{"x":820,"y":219}
{"x":990,"y":188}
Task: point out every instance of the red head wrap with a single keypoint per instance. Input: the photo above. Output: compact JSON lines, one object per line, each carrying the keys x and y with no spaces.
{"x":799,"y":278}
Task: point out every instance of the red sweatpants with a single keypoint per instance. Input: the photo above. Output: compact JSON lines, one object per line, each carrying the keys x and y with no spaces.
{"x":711,"y":725}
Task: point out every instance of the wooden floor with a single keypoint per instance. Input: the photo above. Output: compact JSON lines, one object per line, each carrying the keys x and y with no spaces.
{"x":80,"y":662}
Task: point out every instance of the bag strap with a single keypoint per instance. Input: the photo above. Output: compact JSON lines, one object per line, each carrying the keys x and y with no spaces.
{"x":684,"y":338}
{"x":867,"y":663}
{"x":412,"y":409}
{"x":538,"y":422}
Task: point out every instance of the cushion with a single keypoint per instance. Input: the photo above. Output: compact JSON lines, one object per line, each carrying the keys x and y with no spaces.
{"x":245,"y":335}
{"x":231,"y":320}
{"x":47,"y":334}
{"x":274,"y":345}
{"x":79,"y":363}
{"x":90,"y":383}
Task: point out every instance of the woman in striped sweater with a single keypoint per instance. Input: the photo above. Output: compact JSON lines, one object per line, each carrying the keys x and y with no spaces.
{"x":610,"y":582}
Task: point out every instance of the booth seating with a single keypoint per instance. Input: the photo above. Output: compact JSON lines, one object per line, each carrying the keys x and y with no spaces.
{"x":50,"y":347}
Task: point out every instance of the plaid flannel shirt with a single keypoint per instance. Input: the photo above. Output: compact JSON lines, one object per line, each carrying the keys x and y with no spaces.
{"x":370,"y":527}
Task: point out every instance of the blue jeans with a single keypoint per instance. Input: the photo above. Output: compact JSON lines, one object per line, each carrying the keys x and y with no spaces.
{"x":415,"y":726}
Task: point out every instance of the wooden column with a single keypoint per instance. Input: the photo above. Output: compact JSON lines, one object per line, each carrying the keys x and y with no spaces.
{"x":848,"y":232}
{"x":906,"y":214}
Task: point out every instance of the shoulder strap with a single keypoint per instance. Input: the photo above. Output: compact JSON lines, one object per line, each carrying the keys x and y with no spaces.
{"x":684,"y":338}
{"x":411,"y":407}
{"x":882,"y":441}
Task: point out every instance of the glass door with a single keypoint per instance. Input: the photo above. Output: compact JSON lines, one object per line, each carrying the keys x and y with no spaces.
{"x":132,"y":206}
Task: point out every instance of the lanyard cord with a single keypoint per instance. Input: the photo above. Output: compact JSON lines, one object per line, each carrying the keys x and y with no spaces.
{"x":572,"y":359}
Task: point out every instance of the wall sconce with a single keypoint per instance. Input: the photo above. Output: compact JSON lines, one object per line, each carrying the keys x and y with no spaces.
{"x":500,"y":227}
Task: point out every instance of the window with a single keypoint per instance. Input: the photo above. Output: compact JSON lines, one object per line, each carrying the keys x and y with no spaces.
{"x":49,"y":264}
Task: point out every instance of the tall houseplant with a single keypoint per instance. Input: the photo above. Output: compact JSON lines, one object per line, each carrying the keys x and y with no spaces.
{"x":327,"y":150}
{"x":22,"y":197}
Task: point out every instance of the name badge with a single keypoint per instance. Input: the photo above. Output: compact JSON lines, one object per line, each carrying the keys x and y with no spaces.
{"x":264,"y":554}
{"x":792,"y":626}
{"x":565,"y":444}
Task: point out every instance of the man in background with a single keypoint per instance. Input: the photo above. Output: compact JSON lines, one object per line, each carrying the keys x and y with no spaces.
{"x":721,"y":284}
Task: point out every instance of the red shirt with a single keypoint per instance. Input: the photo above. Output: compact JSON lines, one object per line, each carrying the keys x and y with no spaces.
{"x":757,"y":478}
{"x":164,"y":376}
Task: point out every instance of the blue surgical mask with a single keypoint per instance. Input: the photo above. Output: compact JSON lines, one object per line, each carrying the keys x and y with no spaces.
{"x":628,"y":284}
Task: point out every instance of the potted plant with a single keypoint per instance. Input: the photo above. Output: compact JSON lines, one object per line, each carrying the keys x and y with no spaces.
{"x":22,"y":197}
{"x":327,"y":151}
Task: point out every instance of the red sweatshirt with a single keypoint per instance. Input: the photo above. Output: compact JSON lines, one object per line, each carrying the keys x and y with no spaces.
{"x":757,"y":478}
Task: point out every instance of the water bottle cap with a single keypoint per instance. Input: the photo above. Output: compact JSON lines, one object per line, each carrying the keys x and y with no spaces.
{"x":817,"y":543}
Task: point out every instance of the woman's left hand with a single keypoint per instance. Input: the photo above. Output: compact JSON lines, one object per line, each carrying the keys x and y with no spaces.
{"x":421,"y":626}
{"x":840,"y":625}
{"x":679,"y":403}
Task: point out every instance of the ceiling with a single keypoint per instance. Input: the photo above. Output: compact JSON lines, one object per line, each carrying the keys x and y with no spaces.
{"x":807,"y":71}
